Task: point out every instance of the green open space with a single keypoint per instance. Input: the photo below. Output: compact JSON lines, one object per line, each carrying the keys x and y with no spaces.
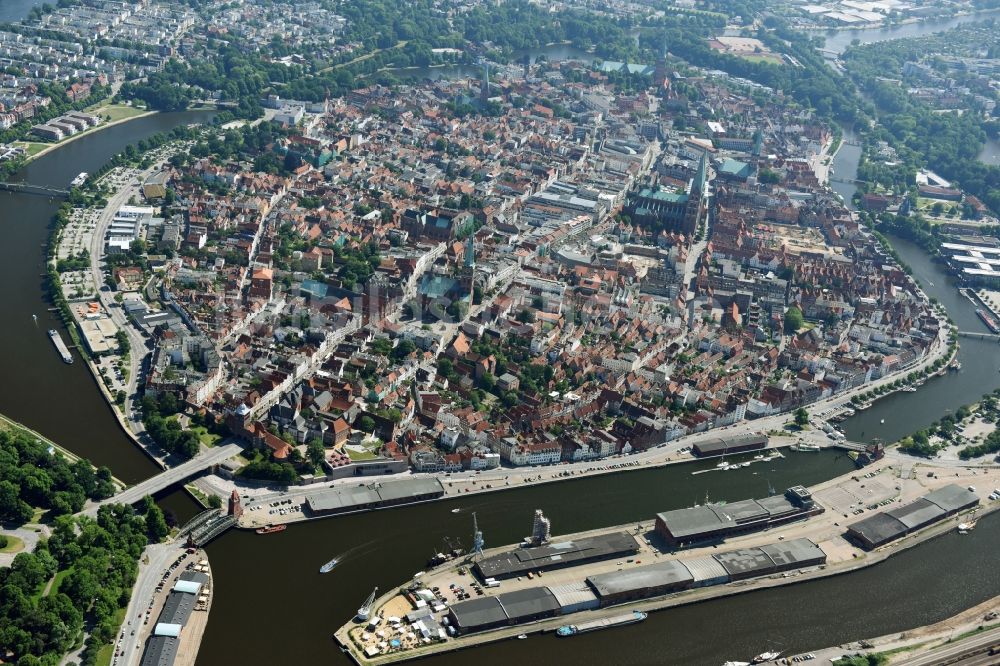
{"x":14,"y":544}
{"x":207,"y":438}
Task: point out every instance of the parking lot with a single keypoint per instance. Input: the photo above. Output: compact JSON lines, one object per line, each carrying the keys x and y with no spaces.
{"x":864,"y":492}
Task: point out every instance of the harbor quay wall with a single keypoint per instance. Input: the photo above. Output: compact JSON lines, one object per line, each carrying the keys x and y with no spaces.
{"x":691,"y":596}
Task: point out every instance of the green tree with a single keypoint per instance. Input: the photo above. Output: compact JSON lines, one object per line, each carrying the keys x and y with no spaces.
{"x":366,"y":424}
{"x":315,"y":451}
{"x":156,"y":524}
{"x":13,"y":509}
{"x":793,"y":319}
{"x":801,"y":417}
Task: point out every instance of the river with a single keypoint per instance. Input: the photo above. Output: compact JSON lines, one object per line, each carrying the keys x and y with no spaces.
{"x":900,"y":414}
{"x":990,"y":154}
{"x":385,"y":547}
{"x":58,"y":400}
{"x":840,"y":40}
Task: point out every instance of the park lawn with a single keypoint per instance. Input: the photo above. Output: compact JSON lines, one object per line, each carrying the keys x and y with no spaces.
{"x":764,"y":58}
{"x":32,"y":148}
{"x":360,"y":455}
{"x":57,"y":581}
{"x":14,"y":545}
{"x":117,"y":111}
{"x":207,"y":438}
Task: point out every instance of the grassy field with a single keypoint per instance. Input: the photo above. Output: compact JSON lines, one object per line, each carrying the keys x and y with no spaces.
{"x":32,"y":148}
{"x":14,"y":545}
{"x":765,"y":58}
{"x":207,"y":438}
{"x":57,"y":581}
{"x":116,"y":111}
{"x":359,"y":455}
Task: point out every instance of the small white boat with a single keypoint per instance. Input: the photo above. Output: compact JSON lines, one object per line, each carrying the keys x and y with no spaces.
{"x":882,"y":421}
{"x":521,"y":637}
{"x":764,"y":657}
{"x":456,"y":510}
{"x":737,"y":663}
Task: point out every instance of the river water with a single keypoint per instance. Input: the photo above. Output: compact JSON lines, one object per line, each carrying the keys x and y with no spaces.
{"x":990,"y":154}
{"x":840,"y":40}
{"x":58,"y":400}
{"x":904,"y":413}
{"x":385,"y":547}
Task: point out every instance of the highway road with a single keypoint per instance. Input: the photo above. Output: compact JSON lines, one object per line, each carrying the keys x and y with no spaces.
{"x":169,"y":477}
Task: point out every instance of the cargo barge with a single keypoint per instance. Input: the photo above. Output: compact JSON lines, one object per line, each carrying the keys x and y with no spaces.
{"x":60,"y":346}
{"x":603,"y":623}
{"x":988,"y":320}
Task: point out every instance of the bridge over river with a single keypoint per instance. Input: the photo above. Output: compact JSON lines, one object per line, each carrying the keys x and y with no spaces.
{"x":28,"y":188}
{"x":168,"y":477}
{"x":979,"y":336}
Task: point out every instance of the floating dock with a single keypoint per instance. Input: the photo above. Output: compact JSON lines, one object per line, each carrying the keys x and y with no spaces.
{"x":60,"y":346}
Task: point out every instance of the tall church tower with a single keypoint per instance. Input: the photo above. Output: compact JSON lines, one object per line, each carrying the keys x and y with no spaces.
{"x":696,"y":197}
{"x":484,"y":92}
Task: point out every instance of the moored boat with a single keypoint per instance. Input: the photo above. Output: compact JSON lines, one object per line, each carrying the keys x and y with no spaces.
{"x":603,"y":623}
{"x":60,"y":346}
{"x":988,"y":320}
{"x":764,"y":657}
{"x":271,"y":529}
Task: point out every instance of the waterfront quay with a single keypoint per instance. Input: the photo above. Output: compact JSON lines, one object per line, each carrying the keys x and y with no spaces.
{"x":266,"y":507}
{"x":409,"y":620}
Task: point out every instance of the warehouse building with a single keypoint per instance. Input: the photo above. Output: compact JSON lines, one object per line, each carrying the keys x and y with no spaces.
{"x":706,"y":571}
{"x":719,"y":446}
{"x":652,"y":580}
{"x":556,"y":555}
{"x":373,"y":496}
{"x":717,"y":521}
{"x":574,"y":597}
{"x":161,"y":647}
{"x":887,"y":526}
{"x":771,"y":559}
{"x":508,"y":608}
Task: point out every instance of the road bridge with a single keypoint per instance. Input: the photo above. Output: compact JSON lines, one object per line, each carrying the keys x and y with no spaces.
{"x":28,"y":188}
{"x":168,"y":477}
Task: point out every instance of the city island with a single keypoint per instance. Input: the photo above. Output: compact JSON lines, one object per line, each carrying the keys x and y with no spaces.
{"x":439,"y":261}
